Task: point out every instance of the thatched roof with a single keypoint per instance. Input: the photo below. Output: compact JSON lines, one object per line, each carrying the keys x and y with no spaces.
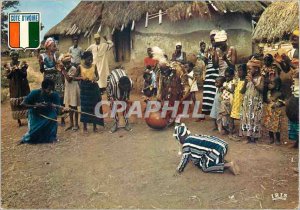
{"x":278,"y":20}
{"x":80,"y":20}
{"x":87,"y":15}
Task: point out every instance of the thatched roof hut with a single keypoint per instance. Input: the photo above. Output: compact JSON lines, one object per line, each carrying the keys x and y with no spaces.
{"x":80,"y":20}
{"x":88,"y":15}
{"x":277,"y":21}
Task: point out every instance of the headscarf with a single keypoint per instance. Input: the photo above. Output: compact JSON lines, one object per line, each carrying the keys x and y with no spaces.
{"x":181,"y":130}
{"x":296,"y":32}
{"x":66,"y":57}
{"x":254,"y":62}
{"x":178,"y":44}
{"x":48,"y":42}
{"x":13,"y":52}
{"x":96,"y":36}
{"x":221,"y":36}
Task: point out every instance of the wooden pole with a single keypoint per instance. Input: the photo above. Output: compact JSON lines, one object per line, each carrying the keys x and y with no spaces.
{"x":146,"y":23}
{"x":132,"y":26}
{"x":160,"y":17}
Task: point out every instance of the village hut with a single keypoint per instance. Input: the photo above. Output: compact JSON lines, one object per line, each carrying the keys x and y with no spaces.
{"x":277,"y":22}
{"x":136,"y":25}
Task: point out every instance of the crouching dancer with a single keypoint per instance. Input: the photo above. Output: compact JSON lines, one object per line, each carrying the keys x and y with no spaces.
{"x":206,"y":152}
{"x":42,"y":115}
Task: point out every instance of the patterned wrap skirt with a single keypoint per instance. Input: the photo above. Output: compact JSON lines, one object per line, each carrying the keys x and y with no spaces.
{"x":89,"y":97}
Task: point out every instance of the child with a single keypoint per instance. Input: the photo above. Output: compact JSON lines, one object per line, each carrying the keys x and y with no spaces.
{"x":89,"y":91}
{"x":149,"y":88}
{"x":224,"y":121}
{"x":72,"y":91}
{"x":192,"y":81}
{"x":252,"y":106}
{"x":216,"y":105}
{"x":238,"y":96}
{"x":274,"y":113}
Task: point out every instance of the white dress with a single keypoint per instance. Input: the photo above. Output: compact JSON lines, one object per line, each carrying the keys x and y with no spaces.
{"x":72,"y":91}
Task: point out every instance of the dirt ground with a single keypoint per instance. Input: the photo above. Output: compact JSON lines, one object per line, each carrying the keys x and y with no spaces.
{"x":136,"y":170}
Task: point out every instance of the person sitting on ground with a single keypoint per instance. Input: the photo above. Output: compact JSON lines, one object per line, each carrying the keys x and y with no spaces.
{"x":179,"y":55}
{"x":206,"y":152}
{"x":42,"y":115}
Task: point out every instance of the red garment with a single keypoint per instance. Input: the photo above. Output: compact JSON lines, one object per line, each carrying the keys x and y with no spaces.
{"x":150,"y":62}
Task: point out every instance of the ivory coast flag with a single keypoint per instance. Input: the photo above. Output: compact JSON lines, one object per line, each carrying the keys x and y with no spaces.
{"x":24,"y":30}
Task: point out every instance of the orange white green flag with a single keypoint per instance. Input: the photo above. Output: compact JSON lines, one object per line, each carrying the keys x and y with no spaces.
{"x":24,"y":30}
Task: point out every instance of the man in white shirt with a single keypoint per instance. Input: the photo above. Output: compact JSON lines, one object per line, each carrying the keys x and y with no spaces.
{"x":100,"y":59}
{"x":76,"y":52}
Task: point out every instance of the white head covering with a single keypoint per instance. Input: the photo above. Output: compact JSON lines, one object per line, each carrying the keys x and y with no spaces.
{"x":96,"y":35}
{"x":221,"y":36}
{"x":178,"y":44}
{"x":48,"y":42}
{"x":181,"y":130}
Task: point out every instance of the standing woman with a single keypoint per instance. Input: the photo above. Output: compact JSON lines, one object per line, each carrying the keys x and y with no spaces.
{"x":209,"y":87}
{"x":252,"y":107}
{"x":48,"y":67}
{"x":89,"y":91}
{"x":224,"y":55}
{"x":16,"y":72}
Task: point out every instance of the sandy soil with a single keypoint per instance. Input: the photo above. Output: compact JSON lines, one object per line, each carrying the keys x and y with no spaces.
{"x":136,"y":170}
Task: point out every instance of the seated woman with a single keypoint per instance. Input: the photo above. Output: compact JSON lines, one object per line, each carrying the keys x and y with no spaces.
{"x":42,"y":114}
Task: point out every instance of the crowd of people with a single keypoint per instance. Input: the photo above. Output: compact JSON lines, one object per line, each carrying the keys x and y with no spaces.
{"x":251,"y":93}
{"x":244,"y":100}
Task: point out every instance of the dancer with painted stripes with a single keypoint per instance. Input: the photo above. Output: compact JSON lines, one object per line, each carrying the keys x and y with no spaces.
{"x":209,"y":87}
{"x":206,"y":152}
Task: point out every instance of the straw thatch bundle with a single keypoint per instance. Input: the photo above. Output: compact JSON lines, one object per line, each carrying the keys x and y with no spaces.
{"x":79,"y":20}
{"x":186,"y":10}
{"x":253,"y":7}
{"x":114,"y":14}
{"x":279,"y":19}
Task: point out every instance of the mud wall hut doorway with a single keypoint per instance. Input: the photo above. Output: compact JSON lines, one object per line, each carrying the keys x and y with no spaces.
{"x":122,"y":41}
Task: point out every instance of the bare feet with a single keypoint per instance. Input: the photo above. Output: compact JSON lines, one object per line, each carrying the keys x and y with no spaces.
{"x":69,"y":128}
{"x":233,"y":168}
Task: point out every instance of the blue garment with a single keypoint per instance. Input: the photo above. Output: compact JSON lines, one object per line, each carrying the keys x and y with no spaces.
{"x":215,"y":107}
{"x":40,"y":129}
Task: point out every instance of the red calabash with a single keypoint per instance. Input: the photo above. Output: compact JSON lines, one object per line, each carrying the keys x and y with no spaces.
{"x":155,"y":121}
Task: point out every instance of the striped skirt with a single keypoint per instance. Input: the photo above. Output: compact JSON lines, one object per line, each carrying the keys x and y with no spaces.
{"x":209,"y":88}
{"x":89,"y":97}
{"x":18,"y":112}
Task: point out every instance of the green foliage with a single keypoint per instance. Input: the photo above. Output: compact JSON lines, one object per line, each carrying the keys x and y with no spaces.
{"x":4,"y":80}
{"x":7,"y":6}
